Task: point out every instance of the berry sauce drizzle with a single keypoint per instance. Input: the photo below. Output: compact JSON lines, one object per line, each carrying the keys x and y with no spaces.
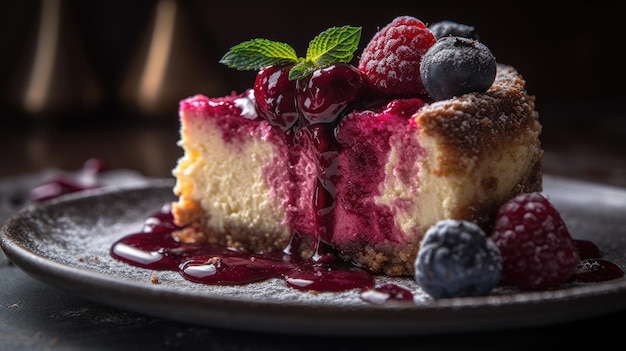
{"x":154,"y":247}
{"x":319,"y":139}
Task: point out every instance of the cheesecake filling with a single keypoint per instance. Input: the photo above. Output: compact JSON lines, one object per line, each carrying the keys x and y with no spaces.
{"x":324,"y":181}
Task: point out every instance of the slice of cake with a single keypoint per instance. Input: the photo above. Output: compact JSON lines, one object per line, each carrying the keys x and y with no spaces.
{"x":363,"y":160}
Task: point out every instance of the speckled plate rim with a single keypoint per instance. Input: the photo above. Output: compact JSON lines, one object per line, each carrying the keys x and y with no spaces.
{"x":41,"y":244}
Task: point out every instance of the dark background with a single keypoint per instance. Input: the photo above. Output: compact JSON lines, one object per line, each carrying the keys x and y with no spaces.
{"x":570,"y":56}
{"x":568,"y":53}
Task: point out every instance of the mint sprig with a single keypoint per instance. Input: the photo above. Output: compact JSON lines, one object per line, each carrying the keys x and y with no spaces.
{"x":258,"y":53}
{"x":336,"y":44}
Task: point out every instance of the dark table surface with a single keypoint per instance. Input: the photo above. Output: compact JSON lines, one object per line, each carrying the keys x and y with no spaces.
{"x":35,"y":316}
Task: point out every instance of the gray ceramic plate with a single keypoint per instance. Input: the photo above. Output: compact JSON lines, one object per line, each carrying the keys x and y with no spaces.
{"x":65,"y":243}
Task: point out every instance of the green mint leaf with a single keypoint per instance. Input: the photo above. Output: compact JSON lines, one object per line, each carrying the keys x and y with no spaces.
{"x":336,"y":44}
{"x":301,"y":70}
{"x":256,"y":54}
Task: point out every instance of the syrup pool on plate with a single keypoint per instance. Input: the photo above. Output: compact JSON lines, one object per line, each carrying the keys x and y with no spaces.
{"x":154,"y":247}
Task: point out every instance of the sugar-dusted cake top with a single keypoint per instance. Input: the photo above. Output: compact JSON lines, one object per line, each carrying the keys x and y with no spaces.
{"x":474,"y":124}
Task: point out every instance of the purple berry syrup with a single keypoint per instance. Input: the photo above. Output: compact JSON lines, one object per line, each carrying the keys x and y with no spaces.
{"x":592,"y":267}
{"x":154,"y":247}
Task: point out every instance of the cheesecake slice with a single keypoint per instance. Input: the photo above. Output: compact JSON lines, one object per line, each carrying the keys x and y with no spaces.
{"x":368,"y":185}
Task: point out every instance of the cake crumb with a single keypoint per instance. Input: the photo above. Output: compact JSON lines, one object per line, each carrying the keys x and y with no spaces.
{"x":80,"y":259}
{"x":154,"y":279}
{"x":96,"y":258}
{"x":313,"y":292}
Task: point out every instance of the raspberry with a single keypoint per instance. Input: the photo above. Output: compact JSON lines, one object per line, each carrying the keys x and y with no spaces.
{"x":457,"y":259}
{"x":391,"y":60}
{"x":537,"y":249}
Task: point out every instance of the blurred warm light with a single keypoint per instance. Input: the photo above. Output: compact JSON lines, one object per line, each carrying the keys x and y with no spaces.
{"x":153,"y":75}
{"x":40,"y":80}
{"x":172,"y":61}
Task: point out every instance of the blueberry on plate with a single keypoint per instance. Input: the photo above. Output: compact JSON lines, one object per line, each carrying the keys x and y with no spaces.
{"x":454,"y":66}
{"x":457,"y":259}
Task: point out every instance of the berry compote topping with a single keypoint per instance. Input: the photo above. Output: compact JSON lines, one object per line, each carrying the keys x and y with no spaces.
{"x":275,"y":96}
{"x":328,"y":91}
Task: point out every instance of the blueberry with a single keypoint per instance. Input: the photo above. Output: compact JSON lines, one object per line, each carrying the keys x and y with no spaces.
{"x":450,"y":28}
{"x":454,"y":66}
{"x":457,"y":259}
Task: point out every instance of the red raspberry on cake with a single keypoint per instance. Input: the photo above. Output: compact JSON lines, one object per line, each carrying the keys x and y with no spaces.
{"x":537,"y":249}
{"x":391,"y":60}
